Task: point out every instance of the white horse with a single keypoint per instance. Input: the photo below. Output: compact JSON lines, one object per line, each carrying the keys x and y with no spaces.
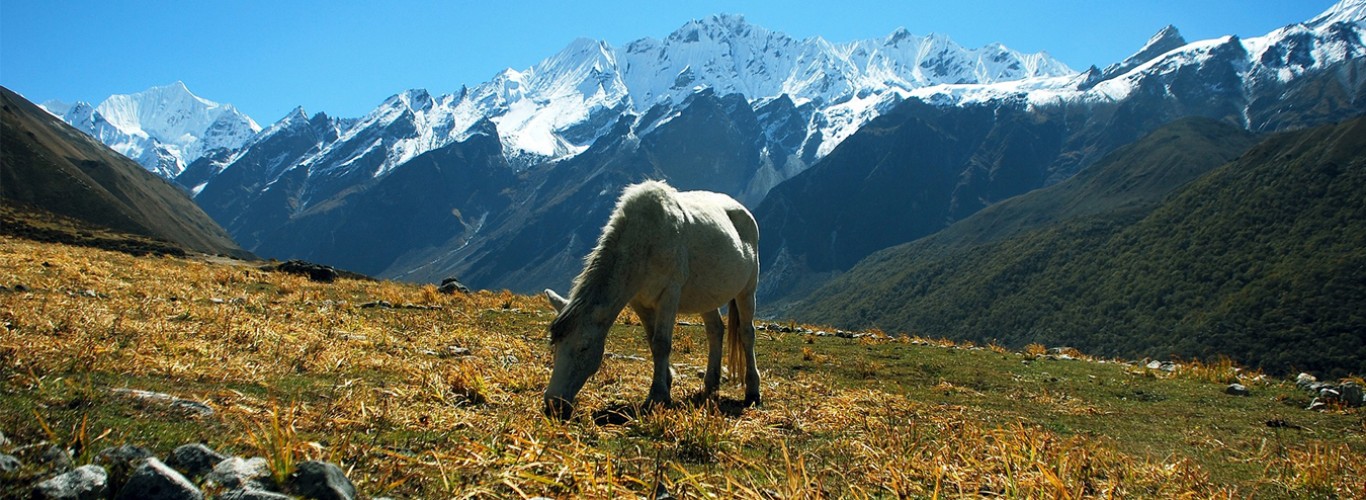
{"x":662,"y":253}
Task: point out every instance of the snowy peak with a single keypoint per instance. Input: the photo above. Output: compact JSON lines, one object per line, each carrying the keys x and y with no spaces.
{"x":1345,"y":11}
{"x":1166,"y":40}
{"x":164,"y":128}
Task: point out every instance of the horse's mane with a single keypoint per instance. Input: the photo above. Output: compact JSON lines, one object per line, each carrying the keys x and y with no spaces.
{"x":607,"y":275}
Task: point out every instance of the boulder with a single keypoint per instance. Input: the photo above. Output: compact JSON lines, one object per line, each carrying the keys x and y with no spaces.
{"x":1351,"y":394}
{"x":194,"y":460}
{"x":89,"y":482}
{"x":236,"y":473}
{"x":154,"y":480}
{"x":1236,"y":389}
{"x":314,"y":272}
{"x":321,"y":481}
{"x":452,"y":286}
{"x":253,"y":495}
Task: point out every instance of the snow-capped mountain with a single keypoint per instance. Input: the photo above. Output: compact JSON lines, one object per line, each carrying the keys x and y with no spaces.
{"x":557,"y":108}
{"x":1252,"y":67}
{"x":163,"y":128}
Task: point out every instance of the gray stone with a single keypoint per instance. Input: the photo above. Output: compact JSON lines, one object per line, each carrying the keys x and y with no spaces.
{"x":57,"y":457}
{"x":453,"y":286}
{"x":322,"y":481}
{"x":154,"y":480}
{"x":194,"y":460}
{"x":9,"y":464}
{"x":88,"y":482}
{"x":1236,"y":390}
{"x":1351,"y":394}
{"x":125,"y":454}
{"x":1168,"y":366}
{"x":1154,"y":364}
{"x":236,"y":473}
{"x":253,"y":495}
{"x":1303,"y":380}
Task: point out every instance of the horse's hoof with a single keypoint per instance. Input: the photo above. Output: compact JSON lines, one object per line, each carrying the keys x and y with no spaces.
{"x":754,"y":401}
{"x":558,"y":409}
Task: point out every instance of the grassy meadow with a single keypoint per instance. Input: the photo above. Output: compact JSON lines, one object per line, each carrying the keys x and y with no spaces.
{"x":439,"y":396}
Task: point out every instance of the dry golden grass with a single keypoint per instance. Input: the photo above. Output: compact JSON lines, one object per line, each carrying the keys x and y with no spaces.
{"x":442,"y":398}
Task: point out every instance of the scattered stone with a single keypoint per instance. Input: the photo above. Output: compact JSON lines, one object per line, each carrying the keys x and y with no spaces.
{"x":1352,"y":394}
{"x":89,"y":482}
{"x":457,"y":351}
{"x":452,"y":286}
{"x":9,"y":464}
{"x":89,"y":293}
{"x":624,"y":357}
{"x":57,"y":457}
{"x":314,"y":272}
{"x":191,"y":407}
{"x":237,"y":473}
{"x":154,"y":480}
{"x":509,"y":360}
{"x":1316,"y":405}
{"x":126,"y":454}
{"x":253,"y":495}
{"x":322,"y":481}
{"x":1167,"y":366}
{"x":1304,"y":380}
{"x":194,"y":460}
{"x":1236,"y":389}
{"x":1154,"y":365}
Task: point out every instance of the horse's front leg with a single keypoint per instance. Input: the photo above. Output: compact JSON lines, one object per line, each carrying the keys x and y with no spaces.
{"x":716,"y":332}
{"x":659,"y":328}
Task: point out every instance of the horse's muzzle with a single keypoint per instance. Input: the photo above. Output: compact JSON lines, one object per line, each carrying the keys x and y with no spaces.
{"x":558,"y":408}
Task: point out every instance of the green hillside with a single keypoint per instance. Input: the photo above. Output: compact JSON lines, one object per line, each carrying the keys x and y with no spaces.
{"x":1262,"y":260}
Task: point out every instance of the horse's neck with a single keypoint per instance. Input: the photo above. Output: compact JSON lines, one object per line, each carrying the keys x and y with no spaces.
{"x":609,"y":282}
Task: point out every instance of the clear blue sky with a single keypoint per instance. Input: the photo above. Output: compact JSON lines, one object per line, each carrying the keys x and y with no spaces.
{"x":344,"y":56}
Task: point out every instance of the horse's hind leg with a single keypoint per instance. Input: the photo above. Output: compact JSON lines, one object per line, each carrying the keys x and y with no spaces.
{"x":716,"y":331}
{"x":745,"y":304}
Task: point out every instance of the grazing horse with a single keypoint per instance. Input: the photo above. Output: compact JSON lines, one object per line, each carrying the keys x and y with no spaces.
{"x":663,"y":253}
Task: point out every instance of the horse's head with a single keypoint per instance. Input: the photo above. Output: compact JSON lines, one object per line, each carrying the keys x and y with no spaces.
{"x":578,"y":339}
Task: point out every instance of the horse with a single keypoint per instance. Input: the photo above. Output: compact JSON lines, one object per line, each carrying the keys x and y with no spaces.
{"x":663,"y":253}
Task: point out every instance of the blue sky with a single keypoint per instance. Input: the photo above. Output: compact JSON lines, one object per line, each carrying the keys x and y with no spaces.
{"x":345,"y":57}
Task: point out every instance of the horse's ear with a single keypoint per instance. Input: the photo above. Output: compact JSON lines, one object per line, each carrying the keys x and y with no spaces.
{"x":556,"y":300}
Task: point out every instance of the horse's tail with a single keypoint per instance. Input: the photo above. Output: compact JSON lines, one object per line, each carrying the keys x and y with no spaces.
{"x":736,"y":361}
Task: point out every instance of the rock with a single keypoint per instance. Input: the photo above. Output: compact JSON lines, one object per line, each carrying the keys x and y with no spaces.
{"x":1236,"y":390}
{"x":1303,"y":380}
{"x":1316,"y":404}
{"x":120,"y":462}
{"x":456,"y":351}
{"x":452,"y":286}
{"x":194,"y":460}
{"x":236,"y":473}
{"x":87,"y":482}
{"x":127,"y":454}
{"x":322,"y":481}
{"x":1167,"y":366}
{"x":1154,"y":365}
{"x":9,"y":464}
{"x":57,"y":457}
{"x":154,"y":480}
{"x":314,"y":272}
{"x":21,"y":288}
{"x":193,"y":408}
{"x":1351,"y":394}
{"x":509,"y":360}
{"x":253,"y":495}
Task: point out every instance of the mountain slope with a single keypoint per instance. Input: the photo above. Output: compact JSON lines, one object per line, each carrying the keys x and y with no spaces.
{"x":1260,"y":259}
{"x":51,"y":166}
